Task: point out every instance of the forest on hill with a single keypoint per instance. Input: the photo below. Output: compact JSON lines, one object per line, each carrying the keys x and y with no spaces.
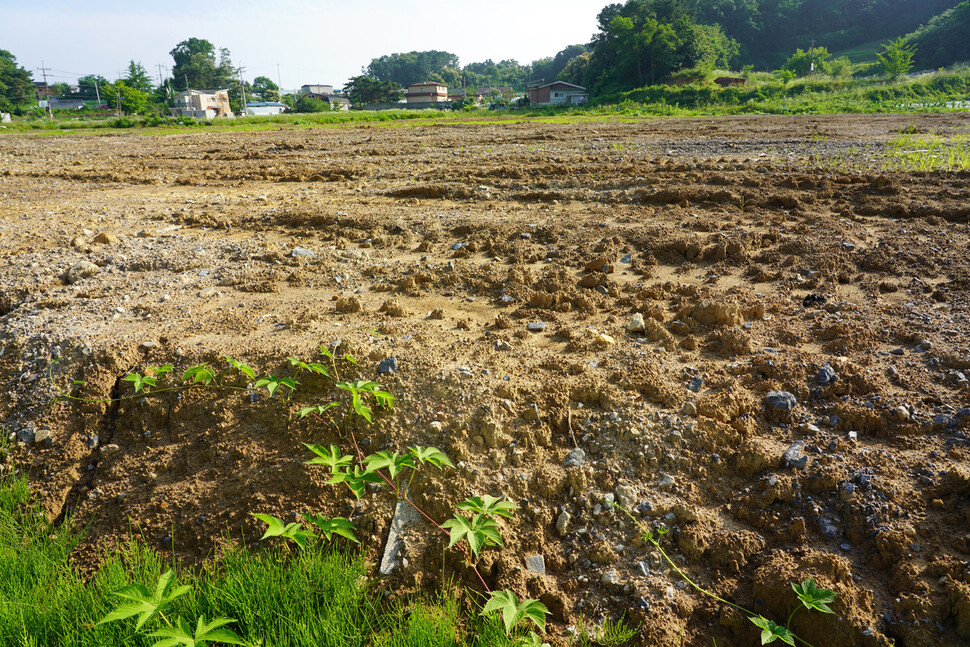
{"x":647,"y":42}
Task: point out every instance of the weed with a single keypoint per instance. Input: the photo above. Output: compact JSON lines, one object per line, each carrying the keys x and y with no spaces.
{"x":810,"y":596}
{"x":609,"y":633}
{"x":475,"y":527}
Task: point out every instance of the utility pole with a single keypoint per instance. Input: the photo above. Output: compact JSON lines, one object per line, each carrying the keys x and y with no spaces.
{"x":186,"y":82}
{"x":47,"y":90}
{"x":242,"y":89}
{"x":159,"y":73}
{"x":118,"y":96}
{"x":812,"y":50}
{"x":97,"y":93}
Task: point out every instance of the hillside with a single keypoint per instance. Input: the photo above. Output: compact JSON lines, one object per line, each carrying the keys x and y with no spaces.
{"x":769,"y":31}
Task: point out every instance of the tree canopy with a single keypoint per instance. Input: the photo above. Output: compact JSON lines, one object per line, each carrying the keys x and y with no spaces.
{"x":768,"y":30}
{"x":364,"y":90}
{"x":643,"y":42}
{"x":196,"y":65}
{"x":138,"y":78}
{"x":411,"y":67}
{"x":16,"y":83}
{"x":943,"y":39}
{"x":265,"y":89}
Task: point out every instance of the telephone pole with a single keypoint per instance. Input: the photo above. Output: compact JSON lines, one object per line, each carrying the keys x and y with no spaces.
{"x":47,"y":90}
{"x":242,"y":90}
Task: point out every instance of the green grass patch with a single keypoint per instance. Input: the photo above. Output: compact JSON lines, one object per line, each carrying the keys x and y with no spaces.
{"x":911,"y":152}
{"x":319,"y":597}
{"x":861,"y":53}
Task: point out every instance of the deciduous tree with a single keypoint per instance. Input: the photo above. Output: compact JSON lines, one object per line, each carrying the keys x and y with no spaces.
{"x":364,"y":90}
{"x":16,"y":83}
{"x":896,"y":58}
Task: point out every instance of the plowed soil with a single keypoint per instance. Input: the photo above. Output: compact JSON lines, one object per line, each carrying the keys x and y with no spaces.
{"x":763,"y":254}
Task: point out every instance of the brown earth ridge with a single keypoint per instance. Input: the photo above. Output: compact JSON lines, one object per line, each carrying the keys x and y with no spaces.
{"x":755,"y":334}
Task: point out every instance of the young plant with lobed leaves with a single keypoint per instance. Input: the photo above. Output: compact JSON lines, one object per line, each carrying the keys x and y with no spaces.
{"x":139,"y":601}
{"x":809,"y":595}
{"x":472,"y":532}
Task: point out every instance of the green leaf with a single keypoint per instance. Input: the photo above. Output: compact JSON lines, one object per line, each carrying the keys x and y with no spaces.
{"x":357,"y":480}
{"x":489,"y":505}
{"x":159,"y":370}
{"x":201,"y":374}
{"x":394,"y":463}
{"x":326,"y":352}
{"x":276,"y":528}
{"x":513,"y":611}
{"x":431,"y":456}
{"x":312,"y":367}
{"x":532,"y":640}
{"x":205,"y":632}
{"x":242,"y":368}
{"x":770,"y":631}
{"x":335,"y":526}
{"x":328,"y":457}
{"x":479,"y":532}
{"x":350,"y":359}
{"x":145,"y":604}
{"x":360,"y":408}
{"x":139,"y":381}
{"x":318,"y":410}
{"x":813,"y":597}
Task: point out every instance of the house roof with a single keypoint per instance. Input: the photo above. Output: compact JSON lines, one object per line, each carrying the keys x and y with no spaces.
{"x":558,"y":83}
{"x":424,"y":83}
{"x":255,"y":104}
{"x":194,"y":91}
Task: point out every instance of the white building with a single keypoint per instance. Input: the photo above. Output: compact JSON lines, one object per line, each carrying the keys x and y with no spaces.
{"x":266,"y":108}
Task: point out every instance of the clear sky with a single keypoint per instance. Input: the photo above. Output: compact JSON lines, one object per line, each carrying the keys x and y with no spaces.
{"x":327,"y":41}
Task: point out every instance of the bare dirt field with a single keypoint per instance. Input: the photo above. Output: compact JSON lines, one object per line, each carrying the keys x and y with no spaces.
{"x":755,"y":336}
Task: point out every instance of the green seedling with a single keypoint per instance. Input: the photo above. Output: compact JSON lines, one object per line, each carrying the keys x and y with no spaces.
{"x":143,"y":603}
{"x":276,"y":528}
{"x":273,"y":383}
{"x":356,"y":479}
{"x":147,"y":605}
{"x":205,"y":632}
{"x":242,"y":368}
{"x":335,"y":526}
{"x":480,"y":531}
{"x":490,"y":506}
{"x":513,"y":612}
{"x":810,"y":596}
{"x":202,"y":374}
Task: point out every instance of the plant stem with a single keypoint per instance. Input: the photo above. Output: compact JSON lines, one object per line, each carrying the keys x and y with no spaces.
{"x":404,"y":497}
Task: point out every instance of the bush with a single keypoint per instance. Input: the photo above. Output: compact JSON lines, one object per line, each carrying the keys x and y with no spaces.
{"x":310,"y":104}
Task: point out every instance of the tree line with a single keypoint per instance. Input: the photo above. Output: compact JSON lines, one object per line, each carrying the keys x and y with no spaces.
{"x":637,"y":43}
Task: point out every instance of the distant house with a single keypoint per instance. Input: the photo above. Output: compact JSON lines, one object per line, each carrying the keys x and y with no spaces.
{"x":426,"y":92}
{"x":317,"y":89}
{"x":42,"y":89}
{"x":202,"y":104}
{"x":266,"y":108}
{"x":557,"y":93}
{"x":728,"y":81}
{"x":335,"y":98}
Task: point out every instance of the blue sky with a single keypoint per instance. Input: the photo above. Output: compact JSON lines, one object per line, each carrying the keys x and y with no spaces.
{"x":313,"y":42}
